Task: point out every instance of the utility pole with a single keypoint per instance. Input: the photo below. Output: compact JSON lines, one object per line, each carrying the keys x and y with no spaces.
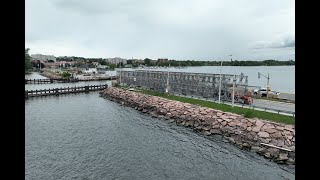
{"x":268,"y":78}
{"x":234,"y":83}
{"x":167,"y":89}
{"x":220,"y":83}
{"x":220,"y":80}
{"x":268,"y":88}
{"x":120,"y":72}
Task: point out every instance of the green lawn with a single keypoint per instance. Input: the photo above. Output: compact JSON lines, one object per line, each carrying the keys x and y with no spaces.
{"x":250,"y":113}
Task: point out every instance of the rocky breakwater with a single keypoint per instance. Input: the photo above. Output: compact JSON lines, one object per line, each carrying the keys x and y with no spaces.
{"x":272,"y":140}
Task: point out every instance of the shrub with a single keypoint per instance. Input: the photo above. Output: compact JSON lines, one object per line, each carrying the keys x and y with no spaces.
{"x":66,"y":75}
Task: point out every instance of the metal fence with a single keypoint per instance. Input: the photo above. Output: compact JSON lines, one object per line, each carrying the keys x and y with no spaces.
{"x":199,"y":84}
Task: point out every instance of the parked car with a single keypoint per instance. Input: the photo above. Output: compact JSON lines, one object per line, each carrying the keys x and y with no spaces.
{"x":263,"y":93}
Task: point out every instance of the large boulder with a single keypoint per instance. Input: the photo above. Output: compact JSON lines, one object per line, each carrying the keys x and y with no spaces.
{"x":263,"y":134}
{"x":215,"y":131}
{"x":271,"y":130}
{"x":276,"y":135}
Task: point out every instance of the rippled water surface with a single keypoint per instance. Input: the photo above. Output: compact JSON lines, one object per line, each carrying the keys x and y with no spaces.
{"x":84,"y":136}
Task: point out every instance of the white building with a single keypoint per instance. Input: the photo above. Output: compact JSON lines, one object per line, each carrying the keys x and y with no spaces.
{"x":103,"y":66}
{"x":116,"y":60}
{"x":42,"y":57}
{"x":90,"y":71}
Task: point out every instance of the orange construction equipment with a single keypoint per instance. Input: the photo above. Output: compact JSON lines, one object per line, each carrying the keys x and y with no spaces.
{"x":246,"y":99}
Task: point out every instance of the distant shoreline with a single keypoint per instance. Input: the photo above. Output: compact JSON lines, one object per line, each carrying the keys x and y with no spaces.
{"x":216,"y":65}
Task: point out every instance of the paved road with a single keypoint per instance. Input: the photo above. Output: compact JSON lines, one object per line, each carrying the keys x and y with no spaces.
{"x":287,"y":96}
{"x":261,"y":104}
{"x":274,"y":105}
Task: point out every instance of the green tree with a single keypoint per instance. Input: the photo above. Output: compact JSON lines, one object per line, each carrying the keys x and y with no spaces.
{"x":66,"y":75}
{"x":112,"y":66}
{"x":103,"y":62}
{"x":130,"y":62}
{"x":147,"y":61}
{"x":27,"y":61}
{"x":120,"y":64}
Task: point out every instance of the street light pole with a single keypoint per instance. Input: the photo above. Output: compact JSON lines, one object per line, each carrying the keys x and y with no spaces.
{"x":268,"y":86}
{"x":220,"y":82}
{"x":120,"y":73}
{"x":167,"y":89}
{"x":234,"y":82}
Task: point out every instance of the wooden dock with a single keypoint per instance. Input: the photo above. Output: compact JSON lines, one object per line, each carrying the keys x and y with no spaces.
{"x":50,"y":81}
{"x":45,"y":81}
{"x":64,"y":90}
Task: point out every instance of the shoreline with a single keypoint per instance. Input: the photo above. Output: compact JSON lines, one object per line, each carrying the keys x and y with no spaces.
{"x":50,"y":75}
{"x":274,"y":141}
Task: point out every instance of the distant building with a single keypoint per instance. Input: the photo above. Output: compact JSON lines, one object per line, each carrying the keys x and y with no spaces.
{"x":50,"y":65}
{"x":162,"y":60}
{"x":128,"y":66}
{"x":103,"y":72}
{"x":96,"y":64}
{"x":86,"y":66}
{"x":42,"y":57}
{"x":116,"y":60}
{"x":153,"y":61}
{"x":140,"y":61}
{"x":103,"y":66}
{"x":60,"y":64}
{"x":90,"y":71}
{"x":64,"y":63}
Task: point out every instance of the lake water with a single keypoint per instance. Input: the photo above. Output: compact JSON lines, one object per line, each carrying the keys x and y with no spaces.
{"x":282,"y":78}
{"x":84,"y":136}
{"x":59,"y":85}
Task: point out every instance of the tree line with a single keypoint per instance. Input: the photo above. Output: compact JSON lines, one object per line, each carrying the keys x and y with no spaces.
{"x":149,"y":62}
{"x":27,"y":61}
{"x":82,"y":59}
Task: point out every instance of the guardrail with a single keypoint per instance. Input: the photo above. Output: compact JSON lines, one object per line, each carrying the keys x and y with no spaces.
{"x":259,"y":108}
{"x":272,"y":110}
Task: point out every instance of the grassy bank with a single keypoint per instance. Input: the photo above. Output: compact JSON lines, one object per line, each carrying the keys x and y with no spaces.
{"x":250,"y":113}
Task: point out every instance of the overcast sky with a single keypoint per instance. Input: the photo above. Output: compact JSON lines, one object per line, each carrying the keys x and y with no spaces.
{"x":174,"y":29}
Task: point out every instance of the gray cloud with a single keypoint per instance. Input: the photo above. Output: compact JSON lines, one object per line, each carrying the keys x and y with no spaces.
{"x":177,"y":29}
{"x":96,"y":7}
{"x":282,"y":42}
{"x":87,"y":7}
{"x":288,"y":42}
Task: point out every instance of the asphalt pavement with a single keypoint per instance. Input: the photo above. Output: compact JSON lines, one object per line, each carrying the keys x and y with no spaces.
{"x":282,"y":106}
{"x":262,"y":105}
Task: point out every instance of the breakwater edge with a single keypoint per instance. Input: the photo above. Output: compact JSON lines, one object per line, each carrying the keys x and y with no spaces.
{"x":272,"y":140}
